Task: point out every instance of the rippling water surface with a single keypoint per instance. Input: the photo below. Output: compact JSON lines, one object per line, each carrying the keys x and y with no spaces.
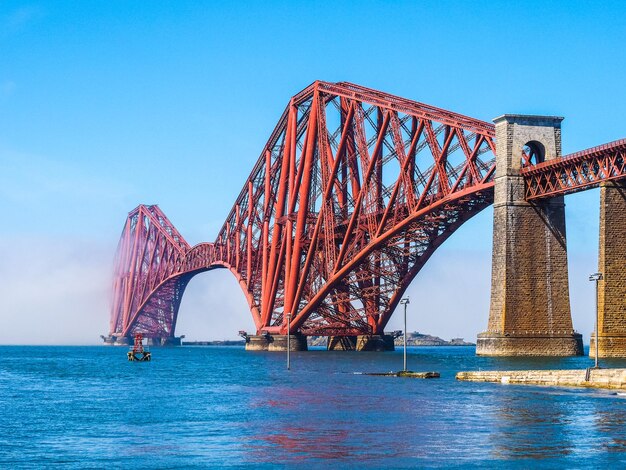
{"x":87,"y":407}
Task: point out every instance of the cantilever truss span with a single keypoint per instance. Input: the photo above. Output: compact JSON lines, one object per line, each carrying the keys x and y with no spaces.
{"x":353,"y":192}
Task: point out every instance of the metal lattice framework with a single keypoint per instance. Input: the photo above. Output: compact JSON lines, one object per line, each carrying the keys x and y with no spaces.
{"x":576,"y":172}
{"x":147,"y":280}
{"x":353,"y":192}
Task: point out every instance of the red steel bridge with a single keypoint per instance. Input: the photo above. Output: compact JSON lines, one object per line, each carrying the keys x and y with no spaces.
{"x":353,"y":192}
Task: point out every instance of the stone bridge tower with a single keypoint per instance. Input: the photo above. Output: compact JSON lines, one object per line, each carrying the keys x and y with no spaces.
{"x":612,"y":265}
{"x":530,"y":309}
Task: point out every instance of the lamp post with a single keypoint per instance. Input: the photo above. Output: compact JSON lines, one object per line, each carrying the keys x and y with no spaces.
{"x":597,"y":277}
{"x":288,"y":340}
{"x":404,"y":302}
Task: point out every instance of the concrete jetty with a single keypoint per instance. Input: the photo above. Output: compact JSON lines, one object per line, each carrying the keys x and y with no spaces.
{"x":594,"y":378}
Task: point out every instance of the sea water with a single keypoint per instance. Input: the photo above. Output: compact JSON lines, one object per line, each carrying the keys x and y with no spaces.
{"x":206,"y":407}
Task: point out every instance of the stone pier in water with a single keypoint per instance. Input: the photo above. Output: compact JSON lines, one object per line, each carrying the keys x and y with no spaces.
{"x":612,"y":265}
{"x":530,"y":308}
{"x":297,"y":342}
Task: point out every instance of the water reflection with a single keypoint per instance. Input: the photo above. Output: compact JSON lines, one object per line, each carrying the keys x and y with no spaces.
{"x":221,"y":406}
{"x":530,"y":425}
{"x":304,"y":443}
{"x":612,"y":423}
{"x":322,"y":416}
{"x":321,"y":424}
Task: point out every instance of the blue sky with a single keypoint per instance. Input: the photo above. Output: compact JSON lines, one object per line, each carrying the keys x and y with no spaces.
{"x":108,"y":104}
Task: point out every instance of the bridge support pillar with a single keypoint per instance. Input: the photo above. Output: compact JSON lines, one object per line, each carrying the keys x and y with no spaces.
{"x":374,"y":343}
{"x":276,"y":343}
{"x":530,"y":309}
{"x":117,"y":339}
{"x":612,"y":265}
{"x":341,"y":343}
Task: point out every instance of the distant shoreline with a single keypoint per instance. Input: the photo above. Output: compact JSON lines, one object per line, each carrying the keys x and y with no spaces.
{"x":413,"y":339}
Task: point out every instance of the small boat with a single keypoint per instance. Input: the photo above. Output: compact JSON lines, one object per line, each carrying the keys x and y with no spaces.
{"x":138,"y":353}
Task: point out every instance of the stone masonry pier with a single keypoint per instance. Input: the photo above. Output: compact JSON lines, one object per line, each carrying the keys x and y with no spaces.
{"x":612,"y":265}
{"x":297,"y":342}
{"x":594,"y":378}
{"x":530,"y":307}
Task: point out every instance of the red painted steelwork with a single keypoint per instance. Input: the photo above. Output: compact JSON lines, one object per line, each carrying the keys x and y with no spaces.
{"x":150,"y":251}
{"x":353,"y":192}
{"x":351,"y":195}
{"x":576,"y":172}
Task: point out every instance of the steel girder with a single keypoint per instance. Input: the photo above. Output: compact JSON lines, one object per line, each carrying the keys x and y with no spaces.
{"x":353,"y":192}
{"x":150,"y":251}
{"x":354,"y":189}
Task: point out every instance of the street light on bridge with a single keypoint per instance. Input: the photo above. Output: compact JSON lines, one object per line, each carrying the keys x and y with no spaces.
{"x":597,"y":277}
{"x":404,"y":302}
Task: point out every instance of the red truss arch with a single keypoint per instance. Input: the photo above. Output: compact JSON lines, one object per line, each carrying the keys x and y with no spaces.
{"x":353,"y":192}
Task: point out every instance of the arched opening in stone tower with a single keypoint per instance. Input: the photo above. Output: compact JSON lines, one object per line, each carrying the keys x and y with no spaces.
{"x":533,"y":153}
